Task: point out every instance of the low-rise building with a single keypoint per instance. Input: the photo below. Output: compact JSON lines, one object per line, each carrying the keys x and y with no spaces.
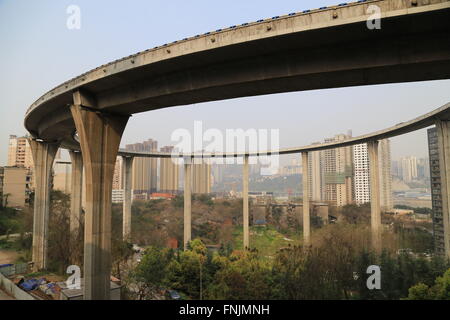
{"x":118,"y":195}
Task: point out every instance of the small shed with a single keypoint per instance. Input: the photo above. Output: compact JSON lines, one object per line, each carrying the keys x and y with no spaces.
{"x":77,"y":294}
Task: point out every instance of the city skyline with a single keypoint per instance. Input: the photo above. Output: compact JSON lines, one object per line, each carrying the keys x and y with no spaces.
{"x":329,"y":111}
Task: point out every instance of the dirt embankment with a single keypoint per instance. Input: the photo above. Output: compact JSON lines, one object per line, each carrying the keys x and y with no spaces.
{"x":7,"y":256}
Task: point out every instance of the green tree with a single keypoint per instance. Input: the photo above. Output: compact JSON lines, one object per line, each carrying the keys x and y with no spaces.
{"x":440,"y":291}
{"x":150,"y":274}
{"x":419,"y":292}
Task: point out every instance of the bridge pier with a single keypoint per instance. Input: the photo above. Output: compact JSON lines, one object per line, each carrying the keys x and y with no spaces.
{"x":245,"y":222}
{"x":99,"y":136}
{"x":306,"y":191}
{"x":187,"y":201}
{"x":375,"y":206}
{"x":76,"y":191}
{"x":443,"y":133}
{"x":43,"y":158}
{"x":127,"y":165}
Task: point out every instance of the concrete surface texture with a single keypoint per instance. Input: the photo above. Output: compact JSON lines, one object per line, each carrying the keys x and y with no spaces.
{"x":5,"y":296}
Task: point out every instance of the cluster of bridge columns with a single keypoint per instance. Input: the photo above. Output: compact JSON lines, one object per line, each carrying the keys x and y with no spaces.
{"x":99,"y":135}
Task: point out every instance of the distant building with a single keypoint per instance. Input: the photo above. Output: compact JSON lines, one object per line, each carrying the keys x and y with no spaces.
{"x":165,"y":196}
{"x":117,"y":177}
{"x":362,"y":174}
{"x":361,"y":167}
{"x":118,"y":196}
{"x":14,"y":186}
{"x":395,"y":168}
{"x":62,"y":176}
{"x":408,"y":168}
{"x":140,"y":196}
{"x":386,"y":199}
{"x":19,"y":155}
{"x":436,"y":192}
{"x":423,"y":168}
{"x":217,"y":171}
{"x":145,"y":170}
{"x":168,"y":173}
{"x":201,"y":178}
{"x":316,"y":175}
{"x":19,"y":152}
{"x":290,"y":170}
{"x":338,"y":172}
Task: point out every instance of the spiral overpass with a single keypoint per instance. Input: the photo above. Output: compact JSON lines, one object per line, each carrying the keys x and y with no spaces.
{"x":315,"y":49}
{"x":329,"y":47}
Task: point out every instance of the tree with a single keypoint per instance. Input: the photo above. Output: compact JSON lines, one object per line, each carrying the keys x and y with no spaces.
{"x":242,"y":277}
{"x":442,"y":288}
{"x":440,"y":291}
{"x":121,"y":252}
{"x":150,"y":274}
{"x":419,"y":292}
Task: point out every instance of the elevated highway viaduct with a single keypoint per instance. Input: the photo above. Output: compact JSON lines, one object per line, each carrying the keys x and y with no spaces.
{"x":316,"y":49}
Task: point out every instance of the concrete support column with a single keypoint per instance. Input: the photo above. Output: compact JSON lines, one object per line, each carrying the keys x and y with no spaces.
{"x":245,"y":203}
{"x":99,"y":136}
{"x":306,"y":192}
{"x":43,"y":158}
{"x":76,"y":191}
{"x":375,"y":207}
{"x":443,"y":132}
{"x":187,"y":201}
{"x":127,"y":165}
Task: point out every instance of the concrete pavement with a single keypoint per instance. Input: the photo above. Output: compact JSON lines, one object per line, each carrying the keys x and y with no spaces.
{"x":5,"y":296}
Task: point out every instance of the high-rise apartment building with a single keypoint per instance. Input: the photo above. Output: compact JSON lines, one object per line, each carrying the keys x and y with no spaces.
{"x":408,"y":167}
{"x":341,"y":175}
{"x":19,"y":152}
{"x":117,"y":177}
{"x":168,"y":173}
{"x":362,"y":174}
{"x":145,"y":170}
{"x":423,"y":168}
{"x":395,"y":168}
{"x":316,"y":176}
{"x":201,"y":177}
{"x":385,"y":171}
{"x":217,"y":171}
{"x":436,"y":192}
{"x":338,"y":172}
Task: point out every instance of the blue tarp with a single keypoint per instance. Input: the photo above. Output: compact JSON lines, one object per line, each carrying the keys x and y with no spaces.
{"x":5,"y":265}
{"x":31,"y":284}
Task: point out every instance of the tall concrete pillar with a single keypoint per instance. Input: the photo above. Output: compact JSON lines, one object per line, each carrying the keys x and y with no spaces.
{"x":43,"y":158}
{"x":76,"y":191}
{"x":306,"y":192}
{"x":443,"y":132}
{"x":245,"y":203}
{"x":187,"y":201}
{"x":127,"y":165}
{"x":99,"y":135}
{"x":375,"y":207}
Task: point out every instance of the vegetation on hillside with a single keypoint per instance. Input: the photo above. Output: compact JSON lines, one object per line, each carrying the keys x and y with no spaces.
{"x":277,"y":265}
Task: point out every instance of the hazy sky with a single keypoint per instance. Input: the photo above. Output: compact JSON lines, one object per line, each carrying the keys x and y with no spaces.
{"x":38,"y":52}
